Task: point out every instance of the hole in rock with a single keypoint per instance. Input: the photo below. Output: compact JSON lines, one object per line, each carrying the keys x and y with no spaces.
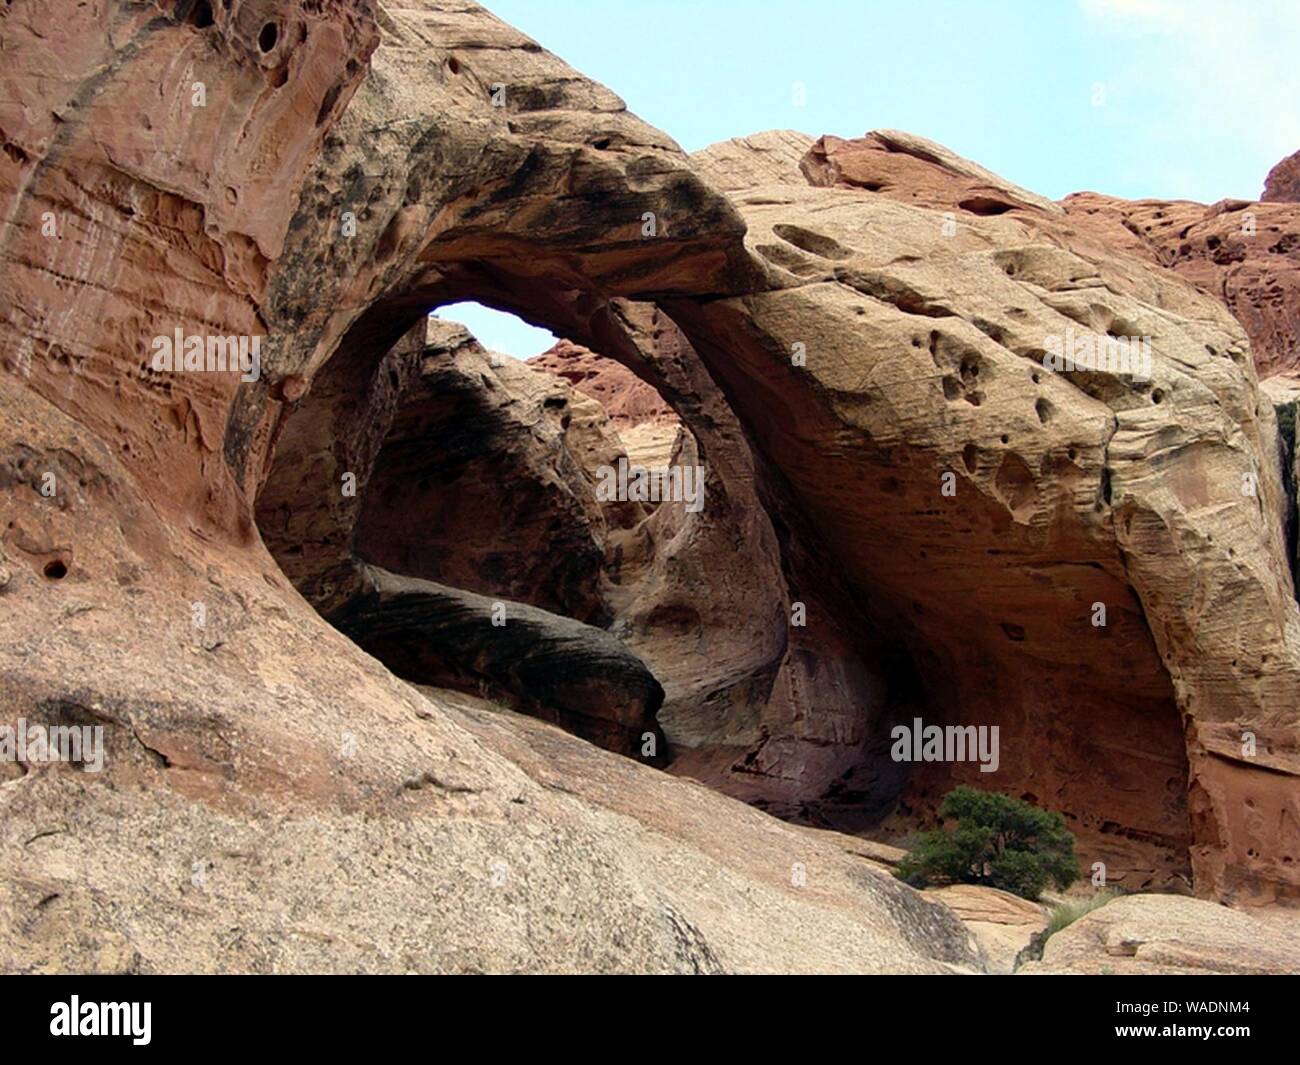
{"x":55,"y":570}
{"x":486,"y":482}
{"x":327,"y":103}
{"x":814,"y":243}
{"x":986,"y":205}
{"x":267,"y":38}
{"x":500,"y":332}
{"x":197,"y":13}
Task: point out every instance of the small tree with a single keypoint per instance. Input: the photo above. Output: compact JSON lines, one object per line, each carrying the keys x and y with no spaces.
{"x":998,"y":841}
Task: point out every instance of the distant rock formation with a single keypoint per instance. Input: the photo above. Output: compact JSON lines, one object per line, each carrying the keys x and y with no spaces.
{"x":1283,"y":182}
{"x":1245,"y":254}
{"x":646,"y":424}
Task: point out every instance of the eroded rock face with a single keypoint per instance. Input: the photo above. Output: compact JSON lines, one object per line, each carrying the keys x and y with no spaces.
{"x":646,"y":425}
{"x":263,"y":774}
{"x":157,"y":207}
{"x":924,"y":344}
{"x":482,"y":483}
{"x":1283,"y":182}
{"x":788,"y":714}
{"x":1284,"y":393}
{"x":443,"y":515}
{"x":265,"y":777}
{"x":1246,"y":254}
{"x":629,"y":401}
{"x":1148,"y":935}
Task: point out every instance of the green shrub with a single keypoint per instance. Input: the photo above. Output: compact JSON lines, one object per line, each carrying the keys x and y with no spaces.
{"x":997,"y":841}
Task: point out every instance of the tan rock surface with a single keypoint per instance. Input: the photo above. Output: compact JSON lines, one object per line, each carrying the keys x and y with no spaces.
{"x":913,"y":169}
{"x":1246,"y":254}
{"x":771,"y":158}
{"x":1003,"y":924}
{"x":275,"y":800}
{"x":924,"y":346}
{"x":1149,"y":934}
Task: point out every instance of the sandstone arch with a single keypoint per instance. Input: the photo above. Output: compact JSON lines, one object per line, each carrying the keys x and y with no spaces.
{"x":228,"y":739}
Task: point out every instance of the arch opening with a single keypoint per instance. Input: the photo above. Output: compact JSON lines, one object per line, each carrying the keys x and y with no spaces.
{"x":456,"y":489}
{"x":479,"y":472}
{"x":796,"y":721}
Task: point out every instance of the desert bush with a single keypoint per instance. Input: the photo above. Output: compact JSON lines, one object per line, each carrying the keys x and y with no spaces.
{"x":997,"y":841}
{"x":1068,"y":912}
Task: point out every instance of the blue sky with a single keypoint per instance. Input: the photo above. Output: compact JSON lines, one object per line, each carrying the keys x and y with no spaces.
{"x":1191,"y":99}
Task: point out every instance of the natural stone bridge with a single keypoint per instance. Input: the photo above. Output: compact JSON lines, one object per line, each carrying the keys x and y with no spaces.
{"x":353,"y":166}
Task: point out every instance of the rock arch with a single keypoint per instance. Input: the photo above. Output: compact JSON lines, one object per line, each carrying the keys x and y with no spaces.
{"x":263,"y":717}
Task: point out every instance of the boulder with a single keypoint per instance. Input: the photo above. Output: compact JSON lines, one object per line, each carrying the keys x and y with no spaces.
{"x":1166,"y":934}
{"x":1002,"y":924}
{"x":575,"y":674}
